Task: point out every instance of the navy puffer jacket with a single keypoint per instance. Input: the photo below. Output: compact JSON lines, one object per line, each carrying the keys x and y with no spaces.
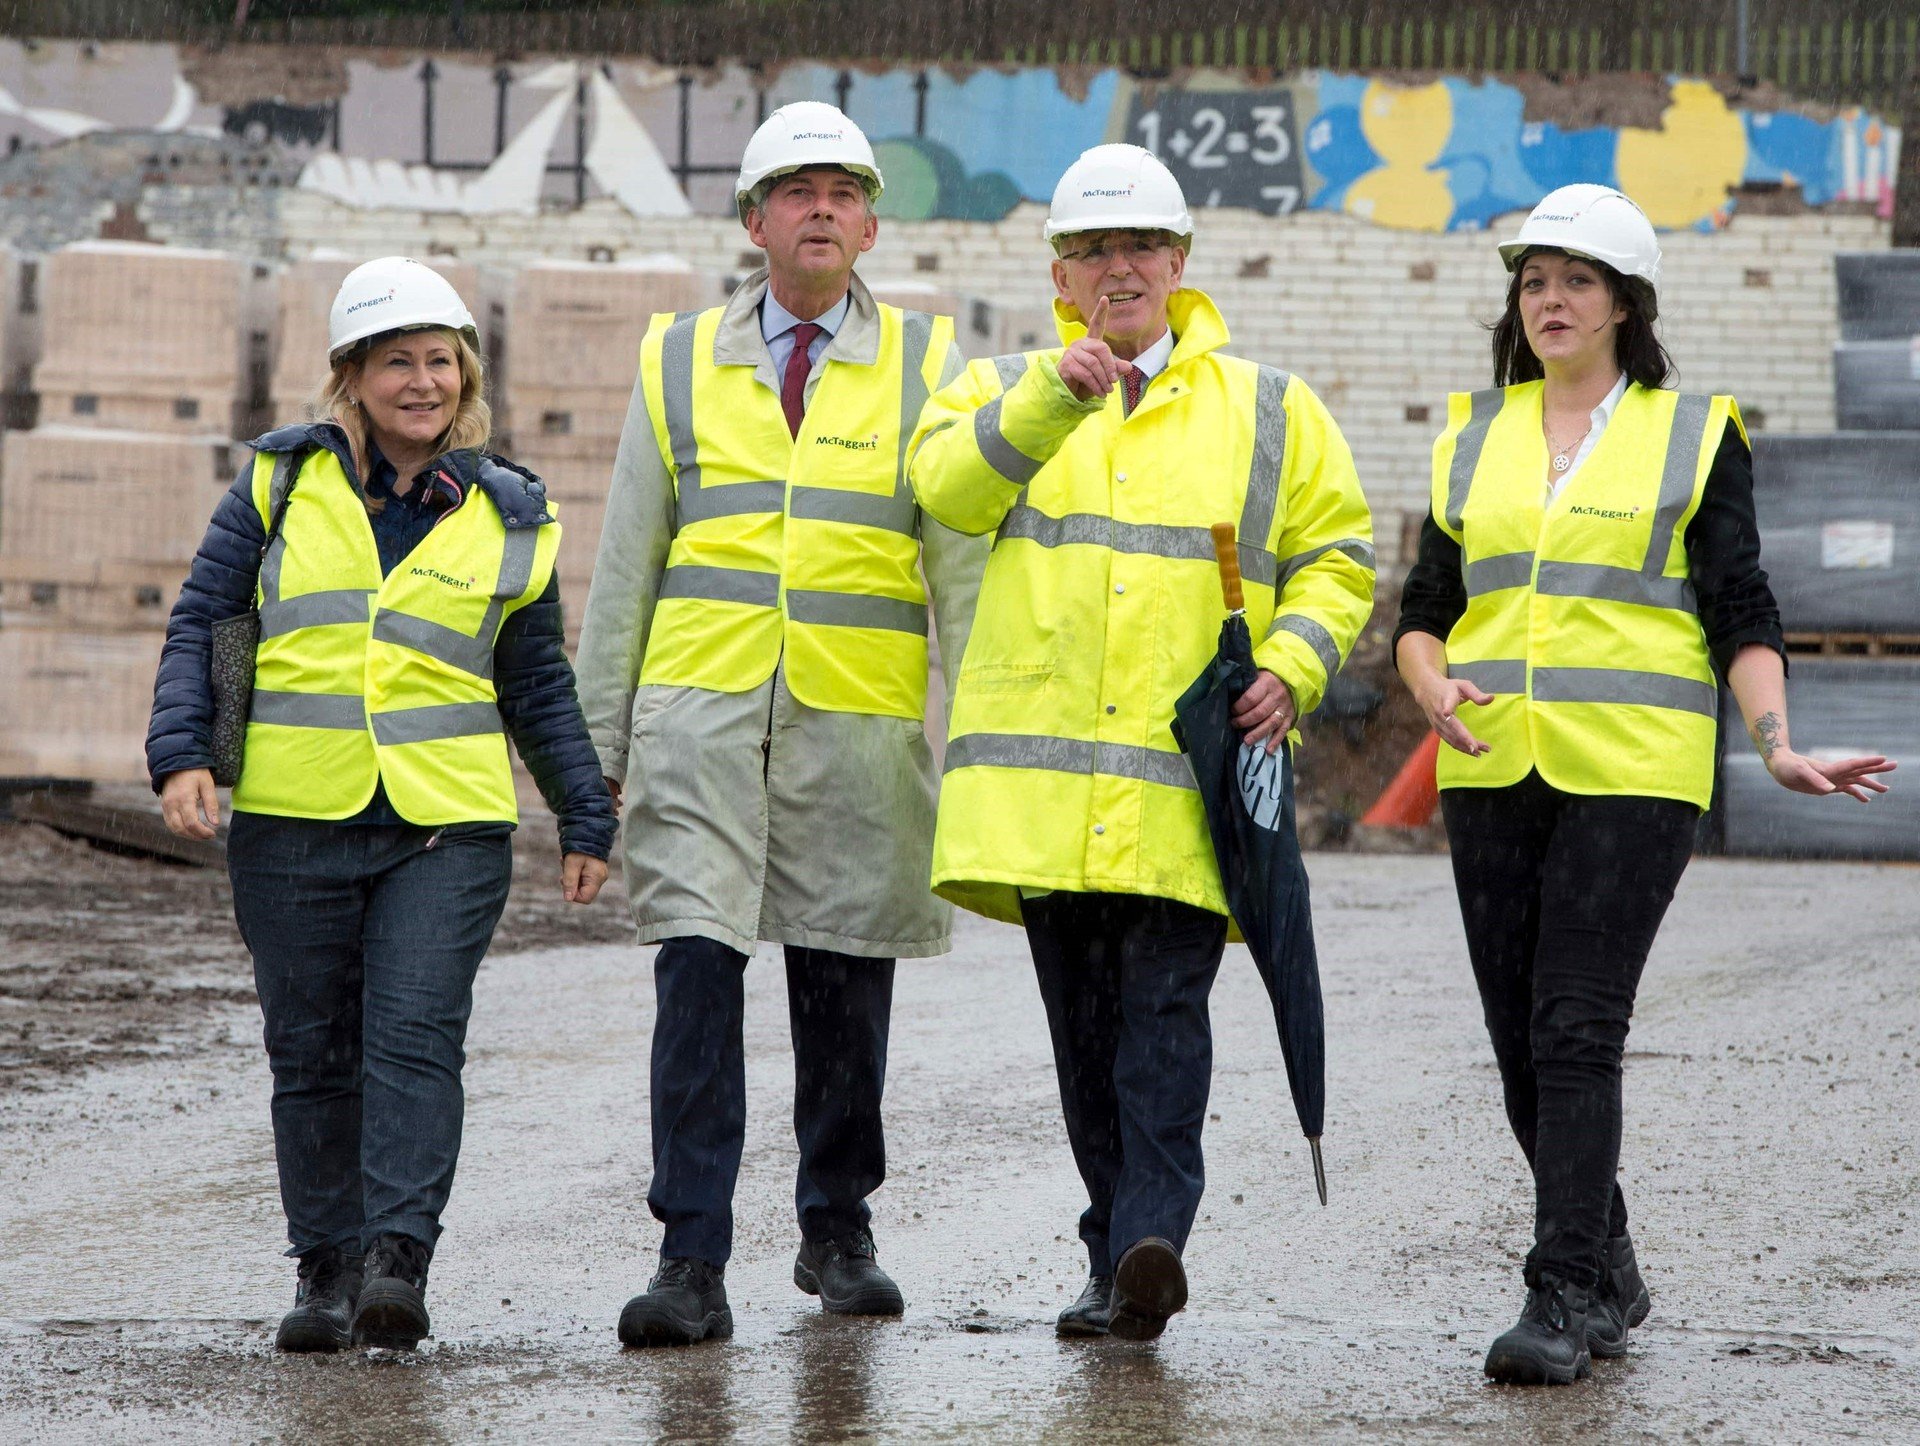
{"x":530,"y":668}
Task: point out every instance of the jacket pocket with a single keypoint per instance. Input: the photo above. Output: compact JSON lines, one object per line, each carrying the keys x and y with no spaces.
{"x":1005,"y":677}
{"x":650,"y":701}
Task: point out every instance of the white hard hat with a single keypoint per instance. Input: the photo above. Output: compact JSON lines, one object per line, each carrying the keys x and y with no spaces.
{"x":395,"y":293}
{"x":1118,"y":187}
{"x":800,"y":134}
{"x":1596,"y":222}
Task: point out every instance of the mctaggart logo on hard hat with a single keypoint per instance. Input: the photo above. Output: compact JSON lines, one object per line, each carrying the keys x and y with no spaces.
{"x":373,"y":301}
{"x":816,"y":135}
{"x":1126,"y":190}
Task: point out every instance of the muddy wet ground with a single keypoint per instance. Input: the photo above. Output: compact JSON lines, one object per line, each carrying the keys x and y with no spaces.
{"x":1771,"y":1150}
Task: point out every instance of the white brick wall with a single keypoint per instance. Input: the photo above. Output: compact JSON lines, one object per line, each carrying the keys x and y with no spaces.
{"x":1748,"y":310}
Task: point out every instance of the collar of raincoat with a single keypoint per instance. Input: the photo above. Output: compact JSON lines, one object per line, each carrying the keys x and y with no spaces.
{"x":1197,"y":325}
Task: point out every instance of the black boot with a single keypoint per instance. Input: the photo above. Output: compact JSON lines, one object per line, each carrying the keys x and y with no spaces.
{"x":1149,"y":1284}
{"x":844,"y":1274}
{"x":1548,"y":1347}
{"x":1620,"y":1280}
{"x":322,"y":1314}
{"x":685,"y":1303}
{"x":1088,"y":1315}
{"x":393,"y":1298}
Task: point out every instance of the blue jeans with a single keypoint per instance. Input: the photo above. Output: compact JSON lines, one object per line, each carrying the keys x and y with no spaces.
{"x":365,"y":941}
{"x":838,"y":1007}
{"x":1125,"y":981}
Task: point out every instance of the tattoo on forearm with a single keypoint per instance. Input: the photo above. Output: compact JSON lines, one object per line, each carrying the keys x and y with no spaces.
{"x":1769,"y":732}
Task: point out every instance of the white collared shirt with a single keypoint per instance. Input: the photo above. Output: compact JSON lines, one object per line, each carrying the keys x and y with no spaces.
{"x":1154,"y":359}
{"x":777,"y":324}
{"x":1602,"y":414}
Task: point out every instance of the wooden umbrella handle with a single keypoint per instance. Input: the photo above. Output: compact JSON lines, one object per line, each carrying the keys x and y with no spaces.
{"x":1228,"y":552}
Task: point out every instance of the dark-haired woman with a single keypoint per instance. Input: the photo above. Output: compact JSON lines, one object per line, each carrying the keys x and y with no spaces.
{"x":409,"y":622}
{"x":1590,"y":561}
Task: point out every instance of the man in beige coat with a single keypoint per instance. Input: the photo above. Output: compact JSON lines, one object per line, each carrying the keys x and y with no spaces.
{"x":753,"y":667}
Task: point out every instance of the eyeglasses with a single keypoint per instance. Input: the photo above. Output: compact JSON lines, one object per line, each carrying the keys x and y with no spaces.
{"x":1137,"y":248}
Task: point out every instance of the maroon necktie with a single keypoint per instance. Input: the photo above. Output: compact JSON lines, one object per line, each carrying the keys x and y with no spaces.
{"x":1134,"y":382}
{"x":793,"y":386}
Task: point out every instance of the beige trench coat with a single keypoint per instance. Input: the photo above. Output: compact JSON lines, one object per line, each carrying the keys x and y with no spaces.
{"x":751,"y":816}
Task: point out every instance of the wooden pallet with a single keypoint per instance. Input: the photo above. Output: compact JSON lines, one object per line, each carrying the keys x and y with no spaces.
{"x":1854,"y":645}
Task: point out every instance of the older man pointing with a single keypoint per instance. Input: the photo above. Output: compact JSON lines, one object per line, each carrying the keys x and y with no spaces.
{"x":1066,"y":805}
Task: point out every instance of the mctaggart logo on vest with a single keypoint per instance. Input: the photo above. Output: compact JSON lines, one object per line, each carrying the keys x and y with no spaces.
{"x":872,"y":444}
{"x":442,"y":578}
{"x":1606,"y":514}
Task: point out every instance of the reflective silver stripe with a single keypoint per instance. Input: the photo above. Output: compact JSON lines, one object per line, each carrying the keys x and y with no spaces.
{"x":1269,"y":456}
{"x":284,"y":476}
{"x":916,"y":337}
{"x":435,"y":721}
{"x":1624,"y":685}
{"x":857,"y":610}
{"x":312,"y":610}
{"x":893,"y":511}
{"x":1005,"y":458}
{"x":1508,"y":569}
{"x":1011,"y":369}
{"x":1350,"y":547}
{"x":721,"y":584}
{"x":1676,"y":478}
{"x":1614,"y":584}
{"x":1068,"y":755}
{"x":516,"y":571}
{"x":309,"y":710}
{"x":436,"y":640}
{"x":1493,"y":675}
{"x":1315,"y":636}
{"x":1186,"y":544}
{"x":728,"y":499}
{"x":1485,"y":406}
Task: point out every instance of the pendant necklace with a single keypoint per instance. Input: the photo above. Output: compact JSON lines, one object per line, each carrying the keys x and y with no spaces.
{"x":1563,"y":457}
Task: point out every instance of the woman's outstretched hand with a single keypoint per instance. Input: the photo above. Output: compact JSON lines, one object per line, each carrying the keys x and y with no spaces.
{"x":1854,"y":777}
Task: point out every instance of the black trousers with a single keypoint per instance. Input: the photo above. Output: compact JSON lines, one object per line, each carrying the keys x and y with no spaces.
{"x":1125,"y":981}
{"x":839,"y":1007}
{"x":1562,"y":895}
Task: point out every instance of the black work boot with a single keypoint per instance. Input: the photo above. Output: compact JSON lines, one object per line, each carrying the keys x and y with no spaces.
{"x":1620,"y":1280}
{"x":392,"y":1311}
{"x":1548,"y":1347}
{"x":1149,"y":1284}
{"x":322,"y":1314}
{"x":1088,"y":1315}
{"x":685,"y":1303}
{"x":844,"y":1274}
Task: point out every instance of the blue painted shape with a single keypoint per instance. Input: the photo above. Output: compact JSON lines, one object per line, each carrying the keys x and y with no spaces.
{"x":1782,"y":146}
{"x":1338,"y":149}
{"x":1553,"y":158}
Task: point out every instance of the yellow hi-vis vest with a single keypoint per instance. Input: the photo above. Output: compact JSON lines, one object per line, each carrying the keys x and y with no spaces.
{"x":805,"y":545}
{"x":1581,"y":620}
{"x":361,"y":679}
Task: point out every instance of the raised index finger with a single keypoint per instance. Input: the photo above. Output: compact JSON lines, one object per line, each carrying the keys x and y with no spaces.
{"x":1097,"y":323}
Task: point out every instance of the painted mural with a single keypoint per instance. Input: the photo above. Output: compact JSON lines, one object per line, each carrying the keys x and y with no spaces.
{"x":455,"y":133}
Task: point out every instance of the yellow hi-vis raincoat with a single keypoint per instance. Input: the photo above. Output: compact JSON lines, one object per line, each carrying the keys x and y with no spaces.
{"x":1580,"y":617}
{"x":1101,"y":602}
{"x":362,"y":679}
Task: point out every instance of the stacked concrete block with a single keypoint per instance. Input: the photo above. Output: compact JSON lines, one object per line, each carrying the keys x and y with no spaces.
{"x":97,"y":530}
{"x":136,"y":337}
{"x":303,"y":297}
{"x":1876,"y":365}
{"x":573,"y":349}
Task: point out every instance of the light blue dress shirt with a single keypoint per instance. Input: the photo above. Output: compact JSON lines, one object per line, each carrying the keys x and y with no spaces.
{"x":777,"y":324}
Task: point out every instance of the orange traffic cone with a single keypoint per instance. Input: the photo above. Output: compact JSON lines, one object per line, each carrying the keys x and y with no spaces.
{"x":1409,"y":801}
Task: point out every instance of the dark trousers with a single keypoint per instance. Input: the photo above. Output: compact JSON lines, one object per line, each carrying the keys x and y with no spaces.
{"x":839,"y":1007}
{"x":1125,"y":981}
{"x":1562,"y":895}
{"x":365,"y":941}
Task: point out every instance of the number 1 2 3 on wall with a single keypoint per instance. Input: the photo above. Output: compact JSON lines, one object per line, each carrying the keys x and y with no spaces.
{"x":1226,"y":147}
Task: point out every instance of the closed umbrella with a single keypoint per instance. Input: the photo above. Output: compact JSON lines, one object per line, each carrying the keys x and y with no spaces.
{"x":1248,"y":795}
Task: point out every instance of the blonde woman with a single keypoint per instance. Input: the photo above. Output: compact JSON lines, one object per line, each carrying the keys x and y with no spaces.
{"x":409,"y":622}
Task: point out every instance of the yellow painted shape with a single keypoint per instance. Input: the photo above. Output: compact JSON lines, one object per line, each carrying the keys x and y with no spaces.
{"x":1681,"y":174}
{"x":1408,"y":127}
